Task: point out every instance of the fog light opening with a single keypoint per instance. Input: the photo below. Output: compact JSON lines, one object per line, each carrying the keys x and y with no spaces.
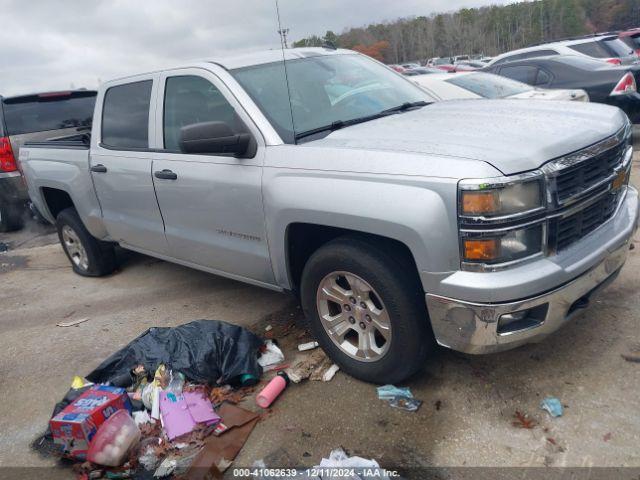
{"x":522,"y":319}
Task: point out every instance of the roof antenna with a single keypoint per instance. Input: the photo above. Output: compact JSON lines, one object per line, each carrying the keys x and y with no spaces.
{"x":283,"y":40}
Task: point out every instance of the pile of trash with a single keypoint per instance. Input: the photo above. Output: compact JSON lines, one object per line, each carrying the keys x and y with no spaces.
{"x":166,"y":404}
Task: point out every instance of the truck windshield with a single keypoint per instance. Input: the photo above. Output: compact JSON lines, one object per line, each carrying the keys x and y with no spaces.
{"x":44,"y":112}
{"x":489,"y":86}
{"x":325,"y":90}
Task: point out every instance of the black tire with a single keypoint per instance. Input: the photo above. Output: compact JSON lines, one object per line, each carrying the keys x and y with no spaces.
{"x":399,"y":289}
{"x":11,"y":218}
{"x":100,"y":256}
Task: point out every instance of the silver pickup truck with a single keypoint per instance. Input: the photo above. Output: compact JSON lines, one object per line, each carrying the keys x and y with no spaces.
{"x":478,"y":225}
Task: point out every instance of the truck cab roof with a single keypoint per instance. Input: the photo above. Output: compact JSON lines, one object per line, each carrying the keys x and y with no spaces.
{"x":251,"y":59}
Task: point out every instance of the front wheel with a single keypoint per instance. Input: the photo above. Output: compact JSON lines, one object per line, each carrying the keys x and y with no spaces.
{"x":366,"y":309}
{"x":89,"y":256}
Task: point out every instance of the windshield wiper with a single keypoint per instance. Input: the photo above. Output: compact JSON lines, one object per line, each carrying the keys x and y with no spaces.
{"x":405,"y":106}
{"x":338,"y":124}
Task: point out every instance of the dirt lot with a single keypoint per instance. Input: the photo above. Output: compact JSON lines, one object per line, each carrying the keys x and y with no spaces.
{"x":469,"y":402}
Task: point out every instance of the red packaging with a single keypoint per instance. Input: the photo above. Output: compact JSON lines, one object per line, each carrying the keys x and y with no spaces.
{"x":74,"y":427}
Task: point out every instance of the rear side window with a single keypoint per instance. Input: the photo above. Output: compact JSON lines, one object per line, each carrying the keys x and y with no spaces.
{"x":632,"y":41}
{"x":618,"y":47}
{"x":521,"y":73}
{"x":125,"y":115}
{"x":41,"y":113}
{"x":593,"y":49}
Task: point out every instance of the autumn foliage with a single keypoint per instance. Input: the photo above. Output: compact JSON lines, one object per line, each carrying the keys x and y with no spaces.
{"x":376,"y":50}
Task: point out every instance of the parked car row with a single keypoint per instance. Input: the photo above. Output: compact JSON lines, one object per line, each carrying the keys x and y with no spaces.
{"x":42,"y":116}
{"x":604,"y":83}
{"x":602,"y":68}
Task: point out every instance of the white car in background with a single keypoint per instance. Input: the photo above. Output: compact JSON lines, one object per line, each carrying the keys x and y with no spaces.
{"x":461,"y":85}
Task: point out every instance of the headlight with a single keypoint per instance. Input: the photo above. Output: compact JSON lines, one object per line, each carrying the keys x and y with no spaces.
{"x":492,"y":248}
{"x":489,"y":213}
{"x":491,"y":200}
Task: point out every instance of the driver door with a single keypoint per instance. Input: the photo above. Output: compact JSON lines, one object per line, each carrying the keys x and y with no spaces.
{"x":211,"y":203}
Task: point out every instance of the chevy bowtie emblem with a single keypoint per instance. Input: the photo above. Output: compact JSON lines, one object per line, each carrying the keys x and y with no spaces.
{"x":619,"y":181}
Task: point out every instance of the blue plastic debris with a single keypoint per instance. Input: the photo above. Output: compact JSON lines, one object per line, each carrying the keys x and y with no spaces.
{"x":399,"y":397}
{"x":553,"y":406}
{"x":387,"y":392}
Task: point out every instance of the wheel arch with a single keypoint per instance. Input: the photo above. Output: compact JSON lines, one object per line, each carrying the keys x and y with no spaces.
{"x":304,"y":239}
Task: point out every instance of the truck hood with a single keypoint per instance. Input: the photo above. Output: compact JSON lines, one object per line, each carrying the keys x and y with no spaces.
{"x":512,"y":135}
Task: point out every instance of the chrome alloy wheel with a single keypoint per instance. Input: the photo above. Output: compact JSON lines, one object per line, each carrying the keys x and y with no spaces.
{"x":354,"y":317}
{"x":74,"y":248}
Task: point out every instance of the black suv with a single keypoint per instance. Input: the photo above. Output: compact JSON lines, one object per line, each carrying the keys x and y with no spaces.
{"x":41,"y":116}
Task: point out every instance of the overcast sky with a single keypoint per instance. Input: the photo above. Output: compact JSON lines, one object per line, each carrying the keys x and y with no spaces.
{"x":56,"y":44}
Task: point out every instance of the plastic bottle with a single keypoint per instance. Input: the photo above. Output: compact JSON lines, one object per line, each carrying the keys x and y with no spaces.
{"x":272,"y":390}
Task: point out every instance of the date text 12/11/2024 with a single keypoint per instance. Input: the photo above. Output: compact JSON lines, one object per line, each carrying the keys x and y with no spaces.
{"x":314,"y":472}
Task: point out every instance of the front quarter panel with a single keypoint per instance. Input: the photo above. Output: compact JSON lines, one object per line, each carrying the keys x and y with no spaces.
{"x":336,"y":187}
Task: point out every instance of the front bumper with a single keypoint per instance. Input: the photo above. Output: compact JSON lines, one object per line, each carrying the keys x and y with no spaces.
{"x":476,"y":328}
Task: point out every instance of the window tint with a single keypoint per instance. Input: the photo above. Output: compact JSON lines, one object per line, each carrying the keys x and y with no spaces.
{"x":633,"y":41}
{"x":521,"y":73}
{"x":41,"y":113}
{"x":488,"y":86}
{"x":189,"y":100}
{"x":543,"y":78}
{"x":595,"y":49}
{"x":125,"y":115}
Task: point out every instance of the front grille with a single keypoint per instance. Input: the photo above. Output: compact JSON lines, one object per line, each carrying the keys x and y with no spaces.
{"x":576,"y":179}
{"x":565,"y":231}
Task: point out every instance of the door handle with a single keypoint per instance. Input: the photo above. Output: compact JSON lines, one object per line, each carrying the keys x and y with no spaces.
{"x":166,"y":174}
{"x":99,"y":168}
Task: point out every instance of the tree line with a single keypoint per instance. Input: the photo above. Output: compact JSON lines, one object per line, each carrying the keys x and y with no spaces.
{"x":487,"y":30}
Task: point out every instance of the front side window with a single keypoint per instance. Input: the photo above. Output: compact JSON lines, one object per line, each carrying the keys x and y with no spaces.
{"x":125,"y":115}
{"x":189,"y":100}
{"x":521,"y":73}
{"x":488,"y":86}
{"x":324,"y":89}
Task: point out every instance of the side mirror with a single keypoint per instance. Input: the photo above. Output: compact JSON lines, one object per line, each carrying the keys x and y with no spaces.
{"x":213,"y":137}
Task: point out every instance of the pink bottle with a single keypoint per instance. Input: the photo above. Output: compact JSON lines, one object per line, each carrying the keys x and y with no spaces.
{"x":272,"y":390}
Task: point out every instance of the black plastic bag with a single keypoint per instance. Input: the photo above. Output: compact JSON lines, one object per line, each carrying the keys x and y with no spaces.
{"x":205,"y":351}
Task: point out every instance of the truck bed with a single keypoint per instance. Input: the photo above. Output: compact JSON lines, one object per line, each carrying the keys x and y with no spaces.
{"x":62,"y":164}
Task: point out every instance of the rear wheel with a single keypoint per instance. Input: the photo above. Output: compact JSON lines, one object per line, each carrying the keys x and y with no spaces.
{"x":89,"y":256}
{"x":367,"y":311}
{"x":11,"y":218}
